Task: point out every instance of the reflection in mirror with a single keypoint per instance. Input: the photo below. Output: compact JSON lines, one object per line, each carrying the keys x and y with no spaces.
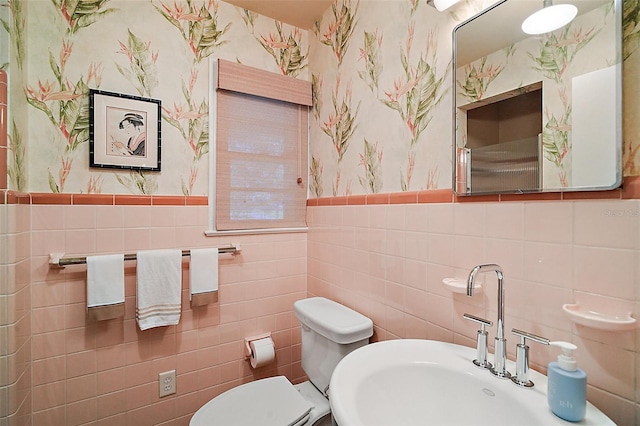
{"x":542,"y":112}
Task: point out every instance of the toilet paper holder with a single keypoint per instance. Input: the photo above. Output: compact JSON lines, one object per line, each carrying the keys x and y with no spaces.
{"x":248,"y":340}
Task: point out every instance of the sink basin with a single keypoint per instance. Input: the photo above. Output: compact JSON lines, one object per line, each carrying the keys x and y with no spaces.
{"x":424,"y":382}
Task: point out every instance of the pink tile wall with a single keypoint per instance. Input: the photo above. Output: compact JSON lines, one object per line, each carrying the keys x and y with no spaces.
{"x":15,"y":303}
{"x":106,"y":372}
{"x":385,"y":260}
{"x":388,"y":262}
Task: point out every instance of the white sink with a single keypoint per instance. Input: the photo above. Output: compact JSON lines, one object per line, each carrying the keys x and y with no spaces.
{"x":425,"y":382}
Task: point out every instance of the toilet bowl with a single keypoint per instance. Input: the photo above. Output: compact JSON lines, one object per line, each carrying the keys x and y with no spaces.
{"x":329,"y":332}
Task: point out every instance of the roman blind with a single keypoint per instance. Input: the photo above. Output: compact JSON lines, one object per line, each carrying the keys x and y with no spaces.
{"x":260,"y":149}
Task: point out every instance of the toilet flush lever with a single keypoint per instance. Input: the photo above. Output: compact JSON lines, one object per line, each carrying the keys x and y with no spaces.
{"x":521,"y":378}
{"x":481,"y":360}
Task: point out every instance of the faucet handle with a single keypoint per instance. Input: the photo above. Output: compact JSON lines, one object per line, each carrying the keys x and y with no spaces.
{"x":483,"y":322}
{"x":481,"y":360}
{"x":521,"y":378}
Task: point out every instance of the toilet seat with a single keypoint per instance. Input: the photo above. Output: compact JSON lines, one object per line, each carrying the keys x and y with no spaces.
{"x":272,"y":401}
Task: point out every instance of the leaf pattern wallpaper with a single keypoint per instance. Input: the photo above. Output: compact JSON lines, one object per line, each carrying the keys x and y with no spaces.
{"x":12,"y":46}
{"x":381,"y":74}
{"x":157,"y":49}
{"x":397,"y":67}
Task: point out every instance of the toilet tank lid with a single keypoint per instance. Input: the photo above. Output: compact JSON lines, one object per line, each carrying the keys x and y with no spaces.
{"x":332,"y":320}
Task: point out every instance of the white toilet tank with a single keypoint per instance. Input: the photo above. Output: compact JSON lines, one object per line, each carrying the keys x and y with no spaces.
{"x":330,"y":331}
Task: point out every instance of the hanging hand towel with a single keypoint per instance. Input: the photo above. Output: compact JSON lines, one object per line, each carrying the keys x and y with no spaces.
{"x":105,"y":287}
{"x":159,"y":287}
{"x":203,"y":276}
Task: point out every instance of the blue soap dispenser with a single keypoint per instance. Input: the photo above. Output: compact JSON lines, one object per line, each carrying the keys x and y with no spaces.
{"x":567,"y":385}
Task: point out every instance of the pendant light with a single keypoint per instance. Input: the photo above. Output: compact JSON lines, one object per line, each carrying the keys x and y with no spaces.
{"x":549,"y":18}
{"x":443,"y":5}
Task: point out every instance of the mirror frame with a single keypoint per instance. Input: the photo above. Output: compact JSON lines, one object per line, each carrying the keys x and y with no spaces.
{"x":618,"y":16}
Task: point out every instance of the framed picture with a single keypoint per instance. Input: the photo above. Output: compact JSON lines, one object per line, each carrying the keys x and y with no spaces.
{"x":124,"y":131}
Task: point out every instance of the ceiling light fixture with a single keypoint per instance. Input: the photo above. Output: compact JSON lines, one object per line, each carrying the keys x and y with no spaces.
{"x":549,"y":18}
{"x":443,"y":5}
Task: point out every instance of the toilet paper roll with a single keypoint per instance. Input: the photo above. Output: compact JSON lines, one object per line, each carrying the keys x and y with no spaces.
{"x":262,"y":352}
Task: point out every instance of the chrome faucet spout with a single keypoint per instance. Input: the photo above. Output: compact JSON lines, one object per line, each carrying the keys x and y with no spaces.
{"x":500,"y":357}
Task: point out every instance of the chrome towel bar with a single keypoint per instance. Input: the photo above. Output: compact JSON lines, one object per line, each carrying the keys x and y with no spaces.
{"x":58,"y":260}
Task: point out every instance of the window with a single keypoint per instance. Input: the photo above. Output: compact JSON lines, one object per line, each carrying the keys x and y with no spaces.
{"x":259,"y":148}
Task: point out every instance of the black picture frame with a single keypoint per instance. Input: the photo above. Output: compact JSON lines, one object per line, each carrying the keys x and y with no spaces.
{"x":124,"y":131}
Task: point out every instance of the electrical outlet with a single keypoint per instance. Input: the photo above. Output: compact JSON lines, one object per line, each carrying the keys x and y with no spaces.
{"x":167,"y":383}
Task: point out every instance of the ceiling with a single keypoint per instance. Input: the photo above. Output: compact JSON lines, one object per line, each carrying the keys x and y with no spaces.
{"x":299,"y":13}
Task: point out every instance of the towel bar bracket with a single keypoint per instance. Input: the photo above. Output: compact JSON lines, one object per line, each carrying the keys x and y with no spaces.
{"x":57,"y":260}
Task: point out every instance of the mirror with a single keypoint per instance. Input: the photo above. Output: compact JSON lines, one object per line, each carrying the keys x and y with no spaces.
{"x":542,"y":112}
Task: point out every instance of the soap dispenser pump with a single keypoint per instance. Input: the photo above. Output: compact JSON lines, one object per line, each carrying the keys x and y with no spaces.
{"x":567,"y":385}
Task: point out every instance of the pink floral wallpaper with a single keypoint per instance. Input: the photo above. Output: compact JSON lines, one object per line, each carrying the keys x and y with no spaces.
{"x":382,"y":80}
{"x":381,"y":73}
{"x":155,"y":49}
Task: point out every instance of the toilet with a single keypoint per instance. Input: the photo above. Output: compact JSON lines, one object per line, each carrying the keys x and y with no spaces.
{"x":330,"y":331}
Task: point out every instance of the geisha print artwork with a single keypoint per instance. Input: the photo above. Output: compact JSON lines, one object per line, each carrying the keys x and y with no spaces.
{"x":124,"y":131}
{"x":127,"y":132}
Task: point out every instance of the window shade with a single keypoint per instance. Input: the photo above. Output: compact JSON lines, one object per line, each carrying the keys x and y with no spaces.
{"x":253,"y":81}
{"x":261,"y":148}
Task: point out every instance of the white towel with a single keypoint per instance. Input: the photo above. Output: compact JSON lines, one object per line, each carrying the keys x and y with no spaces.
{"x":159,"y":287}
{"x":105,"y":286}
{"x":203,"y":276}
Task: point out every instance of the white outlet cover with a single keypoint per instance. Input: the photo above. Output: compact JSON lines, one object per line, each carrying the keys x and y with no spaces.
{"x":167,"y":383}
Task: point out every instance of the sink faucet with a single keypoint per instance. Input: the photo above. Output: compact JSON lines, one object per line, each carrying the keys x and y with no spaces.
{"x":500,"y":357}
